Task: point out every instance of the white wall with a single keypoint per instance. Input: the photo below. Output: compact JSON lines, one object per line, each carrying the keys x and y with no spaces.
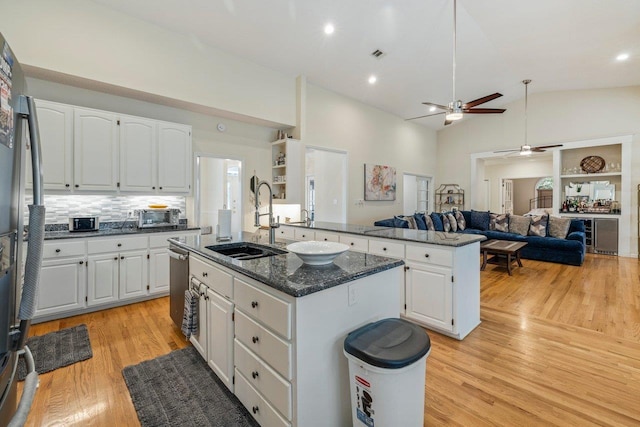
{"x":553,"y":117}
{"x":368,"y":135}
{"x":78,"y":38}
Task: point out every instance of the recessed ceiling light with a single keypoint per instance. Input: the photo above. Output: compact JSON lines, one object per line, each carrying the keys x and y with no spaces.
{"x":372,"y":79}
{"x":432,"y":109}
{"x":329,"y":28}
{"x":622,"y":57}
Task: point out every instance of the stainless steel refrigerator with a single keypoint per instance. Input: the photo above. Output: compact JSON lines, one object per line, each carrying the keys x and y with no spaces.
{"x":18,"y":126}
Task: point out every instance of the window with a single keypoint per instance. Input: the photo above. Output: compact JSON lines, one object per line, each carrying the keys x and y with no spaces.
{"x":422,"y":194}
{"x":416,"y":193}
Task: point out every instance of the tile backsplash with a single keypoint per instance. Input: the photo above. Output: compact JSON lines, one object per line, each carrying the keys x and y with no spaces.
{"x":108,"y":208}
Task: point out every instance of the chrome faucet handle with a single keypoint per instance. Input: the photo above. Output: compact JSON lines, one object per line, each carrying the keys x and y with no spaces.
{"x":276,"y":224}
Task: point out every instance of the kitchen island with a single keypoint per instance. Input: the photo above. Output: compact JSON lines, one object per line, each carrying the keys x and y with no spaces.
{"x":272,"y":328}
{"x":441,"y":287}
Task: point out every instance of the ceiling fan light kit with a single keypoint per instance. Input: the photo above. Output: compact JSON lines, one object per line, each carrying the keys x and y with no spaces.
{"x":456,"y":109}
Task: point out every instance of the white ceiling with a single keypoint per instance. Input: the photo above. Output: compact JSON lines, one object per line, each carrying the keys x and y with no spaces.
{"x":560,"y":45}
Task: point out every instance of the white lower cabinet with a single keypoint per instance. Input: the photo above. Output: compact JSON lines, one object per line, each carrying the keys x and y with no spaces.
{"x":102,"y":283}
{"x":199,"y":338}
{"x":220,"y":337}
{"x":63,"y":285}
{"x":134,"y":271}
{"x":429,"y":295}
{"x":257,"y":405}
{"x":158,"y":271}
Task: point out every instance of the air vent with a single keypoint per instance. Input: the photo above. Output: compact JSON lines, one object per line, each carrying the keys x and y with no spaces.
{"x":377,"y":53}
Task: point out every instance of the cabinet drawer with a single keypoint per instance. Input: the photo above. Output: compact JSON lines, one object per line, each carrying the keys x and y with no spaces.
{"x":270,"y":310}
{"x":96,"y":246}
{"x":323,"y":236}
{"x":303,"y":234}
{"x":264,"y":379}
{"x":285,"y":233}
{"x":63,"y":249}
{"x":216,"y":279}
{"x":267,"y":345}
{"x":160,"y":240}
{"x":257,"y":406}
{"x":355,"y":243}
{"x":430,"y":255}
{"x":386,"y":248}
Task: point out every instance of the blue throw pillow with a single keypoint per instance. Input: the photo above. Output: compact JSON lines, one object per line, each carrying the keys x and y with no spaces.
{"x":384,"y":222}
{"x":467,"y":218}
{"x":419,"y":217}
{"x":398,"y":222}
{"x":479,"y":220}
{"x":437,"y":221}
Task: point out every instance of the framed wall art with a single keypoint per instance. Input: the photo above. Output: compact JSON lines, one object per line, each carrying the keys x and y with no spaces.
{"x":379,"y":182}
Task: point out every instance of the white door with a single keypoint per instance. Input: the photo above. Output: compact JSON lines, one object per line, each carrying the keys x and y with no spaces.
{"x":220,"y":340}
{"x":218,"y":186}
{"x":174,"y":158}
{"x":158,"y":271}
{"x":102,"y":279}
{"x":507,"y":196}
{"x":429,"y":295}
{"x":55,"y":122}
{"x":138,"y":157}
{"x":133,"y":274}
{"x":328,"y":170}
{"x":95,"y":146}
{"x":62,"y":286}
{"x":199,"y":339}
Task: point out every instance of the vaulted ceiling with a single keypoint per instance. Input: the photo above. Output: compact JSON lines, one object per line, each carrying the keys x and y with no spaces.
{"x":560,"y":45}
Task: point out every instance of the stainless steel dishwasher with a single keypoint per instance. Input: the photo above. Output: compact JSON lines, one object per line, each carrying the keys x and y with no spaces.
{"x":178,"y":282}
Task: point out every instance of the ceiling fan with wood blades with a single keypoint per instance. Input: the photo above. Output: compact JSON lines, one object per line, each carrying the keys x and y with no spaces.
{"x":455,"y":110}
{"x":527,"y":149}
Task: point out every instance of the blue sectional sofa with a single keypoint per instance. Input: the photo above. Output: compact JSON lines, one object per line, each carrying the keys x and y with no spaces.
{"x":569,"y":250}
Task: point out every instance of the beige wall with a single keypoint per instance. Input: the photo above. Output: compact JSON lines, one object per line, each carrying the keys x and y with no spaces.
{"x":84,"y":39}
{"x":368,"y":135}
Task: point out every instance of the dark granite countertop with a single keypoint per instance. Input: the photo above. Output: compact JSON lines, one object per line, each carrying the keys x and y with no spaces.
{"x":405,"y":234}
{"x":286,"y":272}
{"x":112,"y":231}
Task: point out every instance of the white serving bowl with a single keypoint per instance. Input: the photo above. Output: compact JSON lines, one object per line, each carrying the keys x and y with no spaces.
{"x":317,"y":253}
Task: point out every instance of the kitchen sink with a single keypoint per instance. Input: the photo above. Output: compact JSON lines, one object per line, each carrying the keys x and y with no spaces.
{"x":245,"y":251}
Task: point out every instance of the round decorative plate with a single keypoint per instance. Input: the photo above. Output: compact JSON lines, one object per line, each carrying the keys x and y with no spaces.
{"x":592,"y":164}
{"x":157,"y":206}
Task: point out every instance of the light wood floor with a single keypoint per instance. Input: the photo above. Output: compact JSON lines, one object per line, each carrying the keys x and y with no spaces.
{"x":558,"y":345}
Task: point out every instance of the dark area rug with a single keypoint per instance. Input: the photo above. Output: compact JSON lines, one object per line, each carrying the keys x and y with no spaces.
{"x":57,"y":349}
{"x":179,"y":389}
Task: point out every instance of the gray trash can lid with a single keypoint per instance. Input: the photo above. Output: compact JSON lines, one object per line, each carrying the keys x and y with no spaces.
{"x":388,"y":343}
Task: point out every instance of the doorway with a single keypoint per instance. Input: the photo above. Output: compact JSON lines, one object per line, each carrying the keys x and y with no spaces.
{"x":326,"y":184}
{"x":217,"y":188}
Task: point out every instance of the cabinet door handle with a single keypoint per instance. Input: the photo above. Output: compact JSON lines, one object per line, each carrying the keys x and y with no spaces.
{"x":352,"y":243}
{"x":255,"y":340}
{"x":160,"y":188}
{"x":254,"y":304}
{"x":77,"y":186}
{"x":81,"y":262}
{"x":116,"y":258}
{"x":205,"y":274}
{"x":121,"y":257}
{"x":255,"y":374}
{"x":426,"y":255}
{"x":66,"y":185}
{"x":57,"y":251}
{"x":255,"y":409}
{"x":153,"y":188}
{"x":119,"y":244}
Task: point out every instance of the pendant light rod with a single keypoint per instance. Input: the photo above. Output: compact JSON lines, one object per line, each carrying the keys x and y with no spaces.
{"x":454,"y":51}
{"x":526,"y":103}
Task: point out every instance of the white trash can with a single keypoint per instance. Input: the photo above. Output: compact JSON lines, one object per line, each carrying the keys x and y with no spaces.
{"x":387,"y":367}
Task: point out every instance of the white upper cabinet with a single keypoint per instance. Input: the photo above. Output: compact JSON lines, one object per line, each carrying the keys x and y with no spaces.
{"x":138,"y":155}
{"x":55,"y":122}
{"x":174,"y":158}
{"x":95,"y":141}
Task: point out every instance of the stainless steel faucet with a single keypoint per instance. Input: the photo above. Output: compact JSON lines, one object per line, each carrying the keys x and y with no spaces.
{"x":272,"y":224}
{"x":307,"y":219}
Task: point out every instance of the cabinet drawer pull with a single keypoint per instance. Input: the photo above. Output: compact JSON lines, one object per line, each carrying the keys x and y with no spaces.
{"x":119,"y":245}
{"x":66,"y":185}
{"x":116,"y":258}
{"x":77,"y":186}
{"x":255,"y":409}
{"x":255,"y":340}
{"x":426,"y":255}
{"x":205,"y":274}
{"x":303,"y":236}
{"x":325,"y":239}
{"x":153,"y":188}
{"x":57,"y":251}
{"x":255,"y":374}
{"x":81,"y":262}
{"x":384,"y":249}
{"x":352,"y":243}
{"x":254,"y":304}
{"x":121,"y":257}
